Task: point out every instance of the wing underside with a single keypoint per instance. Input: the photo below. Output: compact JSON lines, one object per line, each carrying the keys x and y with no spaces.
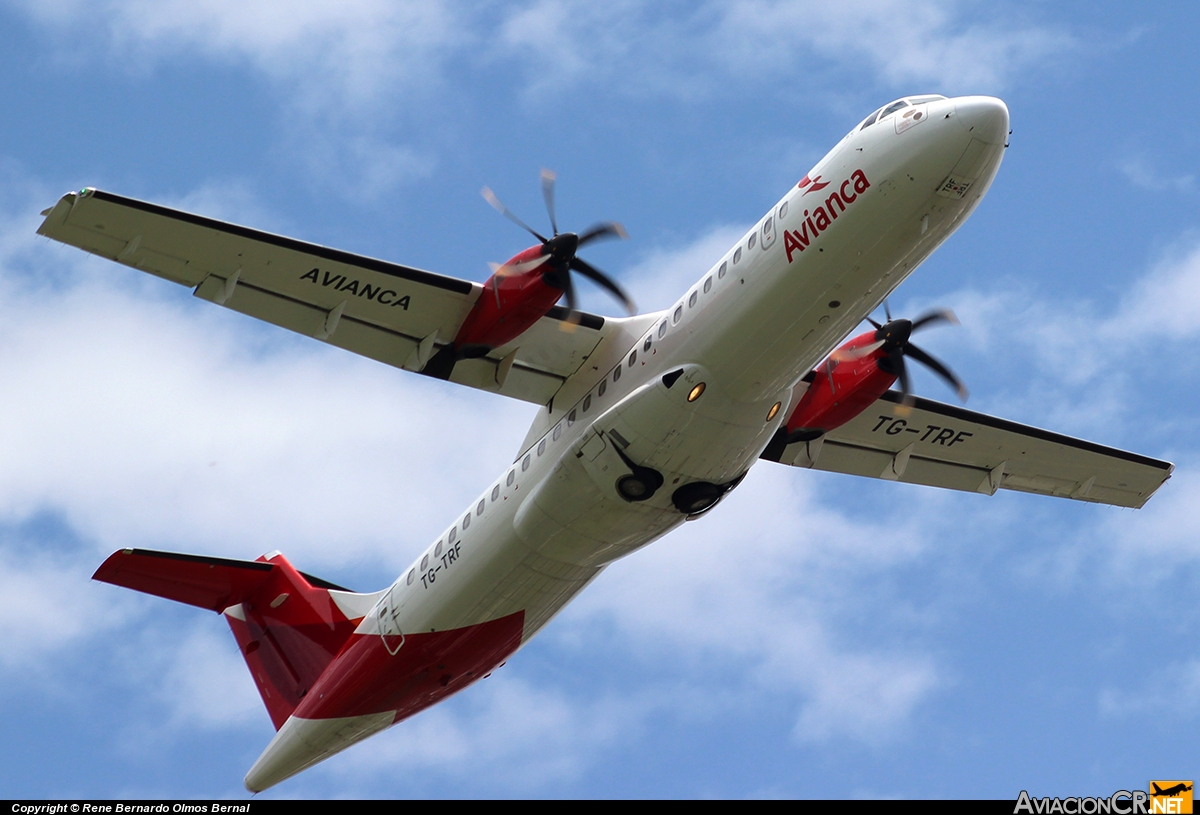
{"x":941,"y":445}
{"x":391,"y":313}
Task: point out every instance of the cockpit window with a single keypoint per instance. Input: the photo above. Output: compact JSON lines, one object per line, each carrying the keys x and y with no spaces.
{"x":870,"y":120}
{"x":920,"y":100}
{"x":892,"y":108}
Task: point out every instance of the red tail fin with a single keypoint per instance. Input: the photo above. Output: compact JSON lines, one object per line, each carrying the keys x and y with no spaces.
{"x":289,"y":625}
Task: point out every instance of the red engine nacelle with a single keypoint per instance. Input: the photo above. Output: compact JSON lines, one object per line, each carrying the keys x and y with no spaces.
{"x":861,"y":371}
{"x":513,"y":299}
{"x":843,"y":386}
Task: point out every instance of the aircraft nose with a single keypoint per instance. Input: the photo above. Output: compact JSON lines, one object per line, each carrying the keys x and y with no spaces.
{"x":984,"y":117}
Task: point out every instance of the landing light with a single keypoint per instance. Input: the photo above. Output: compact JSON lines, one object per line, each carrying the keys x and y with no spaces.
{"x":695,"y":392}
{"x":774,"y":409}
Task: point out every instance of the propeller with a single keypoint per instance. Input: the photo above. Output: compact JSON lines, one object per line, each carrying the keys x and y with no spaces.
{"x":893,"y":338}
{"x":559,"y":251}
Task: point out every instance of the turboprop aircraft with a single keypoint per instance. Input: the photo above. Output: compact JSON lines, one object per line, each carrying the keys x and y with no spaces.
{"x":645,"y":421}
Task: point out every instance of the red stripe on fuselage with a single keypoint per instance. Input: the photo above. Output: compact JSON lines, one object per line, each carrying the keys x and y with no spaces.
{"x":430,"y":666}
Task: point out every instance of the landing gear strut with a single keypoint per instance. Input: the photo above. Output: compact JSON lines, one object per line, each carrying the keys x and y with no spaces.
{"x":640,"y":484}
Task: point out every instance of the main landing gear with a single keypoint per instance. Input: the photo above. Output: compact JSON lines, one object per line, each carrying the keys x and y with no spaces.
{"x":692,"y":499}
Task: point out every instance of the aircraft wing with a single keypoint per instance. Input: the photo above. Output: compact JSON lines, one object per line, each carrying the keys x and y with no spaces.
{"x":391,"y":313}
{"x":945,"y":446}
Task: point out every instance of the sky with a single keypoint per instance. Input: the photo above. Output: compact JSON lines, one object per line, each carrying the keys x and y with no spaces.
{"x":817,"y":635}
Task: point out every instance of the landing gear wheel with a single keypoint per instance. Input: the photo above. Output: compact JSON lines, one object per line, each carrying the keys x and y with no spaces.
{"x":697,"y":497}
{"x":634,"y":489}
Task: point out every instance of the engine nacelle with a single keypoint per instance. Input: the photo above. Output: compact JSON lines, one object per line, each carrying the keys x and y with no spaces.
{"x":843,"y":386}
{"x":513,"y":299}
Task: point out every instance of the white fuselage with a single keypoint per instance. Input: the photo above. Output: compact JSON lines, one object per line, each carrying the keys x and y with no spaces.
{"x":749,"y":329}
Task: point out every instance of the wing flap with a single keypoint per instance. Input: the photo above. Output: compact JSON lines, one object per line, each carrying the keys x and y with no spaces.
{"x":944,"y":446}
{"x":381,"y":310}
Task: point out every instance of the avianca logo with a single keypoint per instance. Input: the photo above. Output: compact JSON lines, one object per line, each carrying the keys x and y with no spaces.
{"x":817,"y":184}
{"x":820,"y":219}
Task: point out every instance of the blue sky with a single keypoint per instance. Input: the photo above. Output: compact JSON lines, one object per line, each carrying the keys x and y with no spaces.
{"x":817,"y":635}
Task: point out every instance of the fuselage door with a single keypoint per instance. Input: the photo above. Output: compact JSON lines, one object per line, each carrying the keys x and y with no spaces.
{"x":768,"y":232}
{"x":389,"y":625}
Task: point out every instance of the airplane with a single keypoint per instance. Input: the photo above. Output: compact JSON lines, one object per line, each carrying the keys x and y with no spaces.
{"x":645,"y":421}
{"x":1169,"y":792}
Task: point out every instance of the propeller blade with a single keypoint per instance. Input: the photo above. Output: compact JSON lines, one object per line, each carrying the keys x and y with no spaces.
{"x":847,"y":354}
{"x":943,"y":315}
{"x":887,"y":311}
{"x":574,"y":317}
{"x":872,"y":322}
{"x":902,"y":374}
{"x":605,"y":229}
{"x":491,"y":198}
{"x":517,"y":268}
{"x":548,"y":193}
{"x":506,"y":269}
{"x":939,"y":369}
{"x":597,"y":276}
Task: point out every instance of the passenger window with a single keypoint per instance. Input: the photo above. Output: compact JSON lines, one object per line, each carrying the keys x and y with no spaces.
{"x":453,"y":536}
{"x":707,"y":285}
{"x":541,"y":447}
{"x":411,"y":574}
{"x":646,"y":344}
{"x":633,"y":358}
{"x":768,"y":225}
{"x":750,"y":244}
{"x":737,"y":255}
{"x":511,"y":475}
{"x":692,"y":300}
{"x":525,"y":463}
{"x":587,"y":402}
{"x":570,"y":418}
{"x":616,"y":373}
{"x":603,"y":387}
{"x":438,"y":551}
{"x":662,"y":329}
{"x":721,"y":271}
{"x":425,"y":562}
{"x":495,"y":492}
{"x":678,"y":314}
{"x":466,"y":521}
{"x":782,"y":210}
{"x":482,"y":503}
{"x":557,"y":431}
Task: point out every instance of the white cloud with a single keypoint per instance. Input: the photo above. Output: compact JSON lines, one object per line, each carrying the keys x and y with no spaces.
{"x":902,"y":42}
{"x":40,"y":613}
{"x":1142,"y":173}
{"x":1173,"y":692}
{"x":348,"y":53}
{"x":516,"y":735}
{"x":330,"y":53}
{"x":1164,"y":304}
{"x":776,"y":584}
